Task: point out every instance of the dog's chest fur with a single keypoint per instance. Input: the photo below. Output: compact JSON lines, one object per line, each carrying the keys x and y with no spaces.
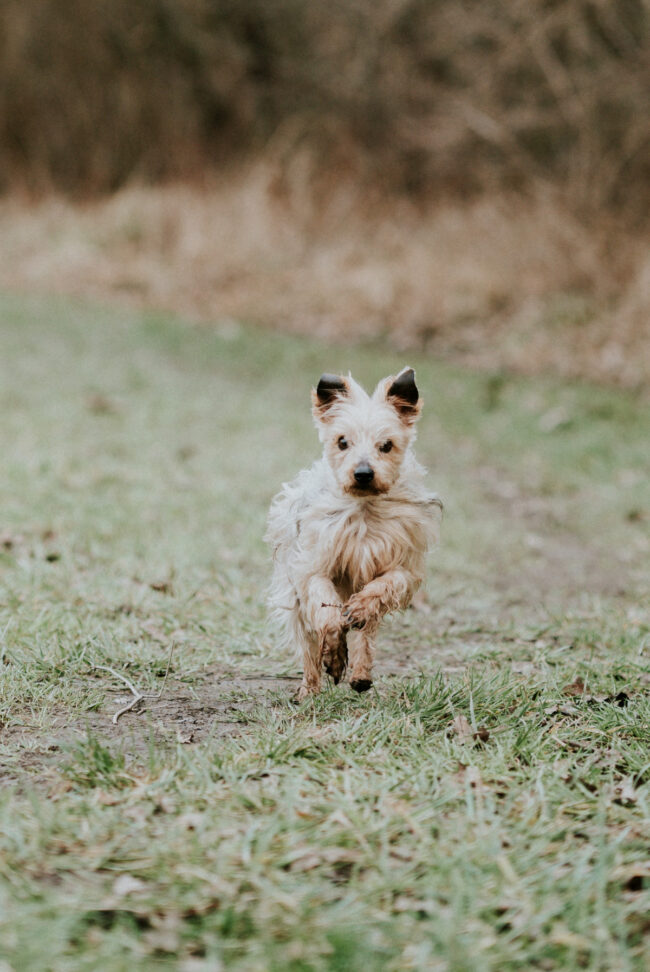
{"x":359,"y":541}
{"x":316,"y":530}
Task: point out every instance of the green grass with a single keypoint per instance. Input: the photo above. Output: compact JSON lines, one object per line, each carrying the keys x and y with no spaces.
{"x":225,"y":827}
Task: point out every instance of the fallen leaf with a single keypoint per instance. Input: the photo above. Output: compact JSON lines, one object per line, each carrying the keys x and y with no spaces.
{"x":154,"y":632}
{"x":164,"y":804}
{"x":186,"y":452}
{"x":555,"y":418}
{"x":634,"y":876}
{"x":106,"y":799}
{"x":624,"y":792}
{"x":100,"y":405}
{"x":162,"y":940}
{"x":308,"y":860}
{"x":637,"y":516}
{"x":461,"y":728}
{"x":622,"y":699}
{"x":306,"y":863}
{"x":126,"y":884}
{"x":474,"y":778}
{"x":565,"y":710}
{"x":191,"y":820}
{"x":404,"y":903}
{"x":467,"y":773}
{"x":139,"y":812}
{"x":574,"y":688}
{"x":163,"y":586}
{"x":560,"y":935}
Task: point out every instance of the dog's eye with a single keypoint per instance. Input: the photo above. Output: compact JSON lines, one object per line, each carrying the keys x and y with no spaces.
{"x":343,"y":442}
{"x":386,"y":447}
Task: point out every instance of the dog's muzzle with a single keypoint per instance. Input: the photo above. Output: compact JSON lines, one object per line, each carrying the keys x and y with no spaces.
{"x":364,"y":475}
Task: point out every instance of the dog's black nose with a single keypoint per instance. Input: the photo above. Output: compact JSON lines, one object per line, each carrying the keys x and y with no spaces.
{"x":363,"y":474}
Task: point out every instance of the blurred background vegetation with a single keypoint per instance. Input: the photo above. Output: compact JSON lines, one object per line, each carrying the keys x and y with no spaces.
{"x":324,"y":116}
{"x":433,"y":95}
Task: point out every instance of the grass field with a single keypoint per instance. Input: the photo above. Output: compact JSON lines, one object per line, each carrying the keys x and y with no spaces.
{"x":485,"y":807}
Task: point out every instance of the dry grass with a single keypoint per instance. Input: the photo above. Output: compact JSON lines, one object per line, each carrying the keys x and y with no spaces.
{"x":500,"y":282}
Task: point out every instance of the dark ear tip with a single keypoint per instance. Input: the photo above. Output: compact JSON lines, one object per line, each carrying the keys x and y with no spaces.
{"x":404,"y":387}
{"x":329,"y":386}
{"x":331,"y":381}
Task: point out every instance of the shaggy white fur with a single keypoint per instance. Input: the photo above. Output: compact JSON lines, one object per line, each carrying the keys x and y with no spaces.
{"x":350,"y":534}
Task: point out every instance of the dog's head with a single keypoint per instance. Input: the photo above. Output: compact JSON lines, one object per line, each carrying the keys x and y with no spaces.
{"x":366,"y":437}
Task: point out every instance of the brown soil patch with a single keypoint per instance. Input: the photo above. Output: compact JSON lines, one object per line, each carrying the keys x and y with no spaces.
{"x":218,"y":704}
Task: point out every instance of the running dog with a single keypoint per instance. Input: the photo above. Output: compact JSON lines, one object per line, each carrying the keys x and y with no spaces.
{"x":350,"y":534}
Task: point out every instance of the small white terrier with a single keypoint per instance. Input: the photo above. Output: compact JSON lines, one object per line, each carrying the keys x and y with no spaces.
{"x":350,"y":534}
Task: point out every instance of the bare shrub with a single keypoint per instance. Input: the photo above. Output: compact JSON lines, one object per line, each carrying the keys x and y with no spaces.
{"x":419,"y":96}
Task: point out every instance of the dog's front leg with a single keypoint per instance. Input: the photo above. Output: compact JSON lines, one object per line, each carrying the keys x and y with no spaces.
{"x":322,"y":610}
{"x":361,"y":645}
{"x":388,"y":592}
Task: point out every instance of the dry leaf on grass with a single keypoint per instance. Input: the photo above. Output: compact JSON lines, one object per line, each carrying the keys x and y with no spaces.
{"x":164,"y":940}
{"x":307,"y":860}
{"x":470,"y":774}
{"x":126,"y":884}
{"x":563,"y":710}
{"x":574,"y":688}
{"x":625,"y":792}
{"x":404,"y":903}
{"x":634,"y":877}
{"x":106,"y":799}
{"x":101,"y":405}
{"x":621,"y":699}
{"x":461,"y":728}
{"x":577,"y":690}
{"x":191,"y":820}
{"x":162,"y":586}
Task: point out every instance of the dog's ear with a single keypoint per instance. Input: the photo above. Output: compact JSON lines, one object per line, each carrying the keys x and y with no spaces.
{"x":402,"y":393}
{"x":329,"y":389}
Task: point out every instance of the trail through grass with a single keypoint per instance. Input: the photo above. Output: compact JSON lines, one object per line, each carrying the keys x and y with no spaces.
{"x":484,"y":808}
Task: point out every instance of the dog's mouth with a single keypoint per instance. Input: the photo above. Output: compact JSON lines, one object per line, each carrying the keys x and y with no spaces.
{"x":373,"y":489}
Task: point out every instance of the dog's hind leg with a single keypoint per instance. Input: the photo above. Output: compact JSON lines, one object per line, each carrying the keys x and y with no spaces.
{"x":360,"y":643}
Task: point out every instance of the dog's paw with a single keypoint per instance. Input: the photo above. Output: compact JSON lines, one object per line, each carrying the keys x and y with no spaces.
{"x":360,"y":684}
{"x":359,"y":610}
{"x":304,"y":692}
{"x":334,"y":652}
